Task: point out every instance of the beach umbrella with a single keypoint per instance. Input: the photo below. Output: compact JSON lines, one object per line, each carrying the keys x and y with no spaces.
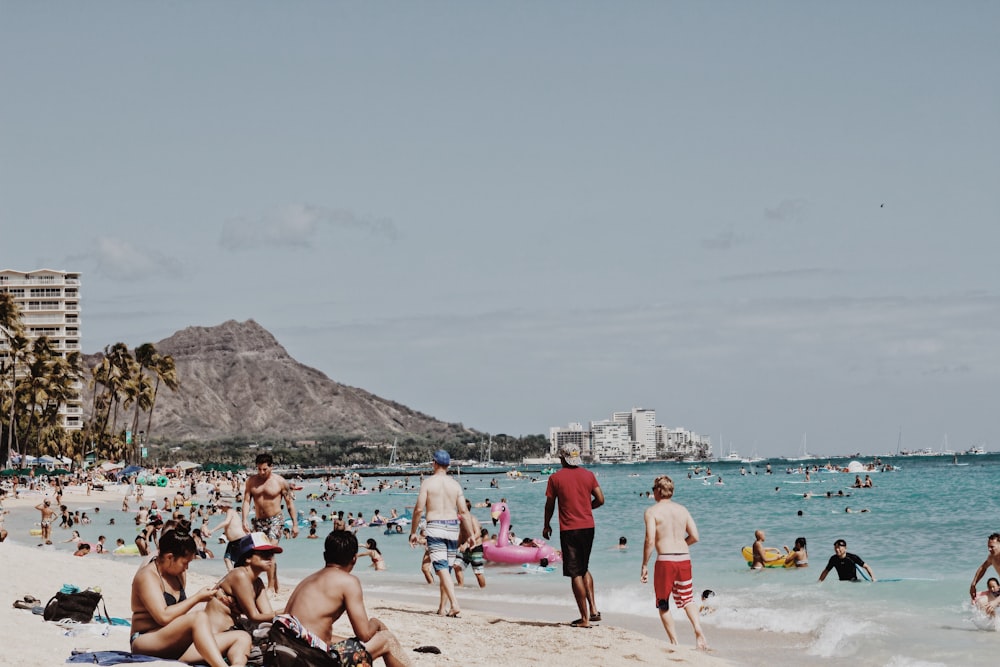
{"x":60,"y":471}
{"x":108,"y":465}
{"x":10,"y":472}
{"x":187,"y":465}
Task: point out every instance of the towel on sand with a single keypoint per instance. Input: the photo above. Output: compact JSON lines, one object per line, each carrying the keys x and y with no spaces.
{"x":114,"y":658}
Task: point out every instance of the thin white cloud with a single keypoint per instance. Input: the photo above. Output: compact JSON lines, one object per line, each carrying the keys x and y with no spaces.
{"x":781,"y":274}
{"x":788,"y":210}
{"x":724,"y":241}
{"x":118,"y":259}
{"x":824,"y":337}
{"x":298,"y":226}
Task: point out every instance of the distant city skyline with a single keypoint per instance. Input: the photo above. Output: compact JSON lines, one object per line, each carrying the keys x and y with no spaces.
{"x":765,"y":219}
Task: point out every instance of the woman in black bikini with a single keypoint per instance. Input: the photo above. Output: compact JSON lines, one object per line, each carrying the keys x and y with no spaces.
{"x":164,"y":623}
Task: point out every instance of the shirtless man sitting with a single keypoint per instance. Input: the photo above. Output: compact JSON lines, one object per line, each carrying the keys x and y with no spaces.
{"x":323,"y":597}
{"x":267,"y":490}
{"x":993,"y":558}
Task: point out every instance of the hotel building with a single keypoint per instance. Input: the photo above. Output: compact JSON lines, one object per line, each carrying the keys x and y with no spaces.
{"x":49,"y":302}
{"x":628,"y":437}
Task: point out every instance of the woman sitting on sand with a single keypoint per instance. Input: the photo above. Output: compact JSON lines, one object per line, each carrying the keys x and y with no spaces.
{"x":798,"y":555}
{"x":254,"y":557}
{"x":164,"y":621}
{"x":378,"y":562}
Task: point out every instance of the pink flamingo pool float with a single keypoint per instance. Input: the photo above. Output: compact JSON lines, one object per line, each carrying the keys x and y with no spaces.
{"x":505,"y":552}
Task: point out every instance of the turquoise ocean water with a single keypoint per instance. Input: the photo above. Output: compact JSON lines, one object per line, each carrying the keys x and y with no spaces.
{"x":926,"y":529}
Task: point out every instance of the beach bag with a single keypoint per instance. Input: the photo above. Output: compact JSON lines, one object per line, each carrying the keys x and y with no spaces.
{"x":79,"y":606}
{"x":284,"y":649}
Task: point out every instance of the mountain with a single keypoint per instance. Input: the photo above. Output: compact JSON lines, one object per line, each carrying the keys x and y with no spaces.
{"x":237,"y":380}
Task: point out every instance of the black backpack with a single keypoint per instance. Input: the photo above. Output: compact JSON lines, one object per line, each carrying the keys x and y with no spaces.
{"x":79,"y":607}
{"x":284,"y":649}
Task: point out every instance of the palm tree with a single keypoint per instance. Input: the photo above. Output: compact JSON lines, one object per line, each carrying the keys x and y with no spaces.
{"x":35,"y":385}
{"x":12,"y":331}
{"x":146,"y":356}
{"x":139,"y":392}
{"x":122,"y":366}
{"x":98,"y":376}
{"x":166,"y":372}
{"x":63,"y":377}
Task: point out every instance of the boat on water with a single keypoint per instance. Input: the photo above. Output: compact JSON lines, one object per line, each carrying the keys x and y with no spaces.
{"x":803,"y":454}
{"x":548,"y":460}
{"x":975,"y":450}
{"x":926,"y":451}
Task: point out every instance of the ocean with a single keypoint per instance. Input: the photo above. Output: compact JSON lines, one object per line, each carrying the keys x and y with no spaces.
{"x":923,"y":536}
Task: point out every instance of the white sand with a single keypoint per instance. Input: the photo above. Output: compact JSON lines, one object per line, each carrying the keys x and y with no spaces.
{"x":475,"y":639}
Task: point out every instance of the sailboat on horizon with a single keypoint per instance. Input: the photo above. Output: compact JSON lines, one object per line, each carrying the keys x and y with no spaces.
{"x":803,"y":455}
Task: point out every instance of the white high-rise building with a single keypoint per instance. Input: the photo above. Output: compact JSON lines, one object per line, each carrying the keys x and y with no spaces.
{"x":643,"y":432}
{"x":571,"y":435}
{"x":49,"y":301}
{"x":611,"y":440}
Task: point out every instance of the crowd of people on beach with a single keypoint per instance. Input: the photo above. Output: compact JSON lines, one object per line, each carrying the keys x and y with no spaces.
{"x":226,"y":622}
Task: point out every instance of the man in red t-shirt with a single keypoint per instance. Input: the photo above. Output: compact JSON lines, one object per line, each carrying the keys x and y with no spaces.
{"x":578,"y":494}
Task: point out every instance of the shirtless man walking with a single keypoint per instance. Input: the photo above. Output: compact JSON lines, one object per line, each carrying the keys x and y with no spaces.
{"x":993,"y":546}
{"x":233,"y":532}
{"x":267,"y":490}
{"x":443,"y":502}
{"x":49,"y":515}
{"x":671,"y":530}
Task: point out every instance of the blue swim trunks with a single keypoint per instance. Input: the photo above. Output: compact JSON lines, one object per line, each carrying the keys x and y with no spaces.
{"x":442,"y":542}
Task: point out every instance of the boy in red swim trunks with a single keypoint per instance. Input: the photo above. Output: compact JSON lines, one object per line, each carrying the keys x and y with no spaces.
{"x":671,"y":530}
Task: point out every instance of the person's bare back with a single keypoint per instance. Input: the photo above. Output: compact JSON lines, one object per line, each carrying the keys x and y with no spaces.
{"x":324,"y":596}
{"x":671,"y":530}
{"x":441,"y":495}
{"x":321,"y":598}
{"x":672,"y":527}
{"x":232,"y":525}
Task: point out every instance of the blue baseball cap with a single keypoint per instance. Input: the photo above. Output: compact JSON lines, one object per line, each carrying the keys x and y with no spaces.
{"x":442,"y":458}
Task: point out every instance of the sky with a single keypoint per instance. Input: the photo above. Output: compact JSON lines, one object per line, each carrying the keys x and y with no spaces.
{"x":770,"y":222}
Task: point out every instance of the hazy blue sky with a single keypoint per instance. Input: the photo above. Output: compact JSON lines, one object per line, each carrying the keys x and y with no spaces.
{"x":761,"y":219}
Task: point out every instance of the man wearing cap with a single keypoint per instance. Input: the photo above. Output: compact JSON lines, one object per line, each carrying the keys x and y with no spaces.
{"x":847,"y":564}
{"x":578,"y":493}
{"x":443,"y":502}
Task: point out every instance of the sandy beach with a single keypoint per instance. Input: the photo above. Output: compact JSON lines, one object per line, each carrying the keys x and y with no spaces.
{"x":477,"y":639}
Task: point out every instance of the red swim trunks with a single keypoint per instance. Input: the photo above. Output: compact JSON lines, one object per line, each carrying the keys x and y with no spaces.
{"x":672,"y":576}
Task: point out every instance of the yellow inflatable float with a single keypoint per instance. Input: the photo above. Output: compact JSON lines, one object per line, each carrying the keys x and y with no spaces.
{"x":772,"y":557}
